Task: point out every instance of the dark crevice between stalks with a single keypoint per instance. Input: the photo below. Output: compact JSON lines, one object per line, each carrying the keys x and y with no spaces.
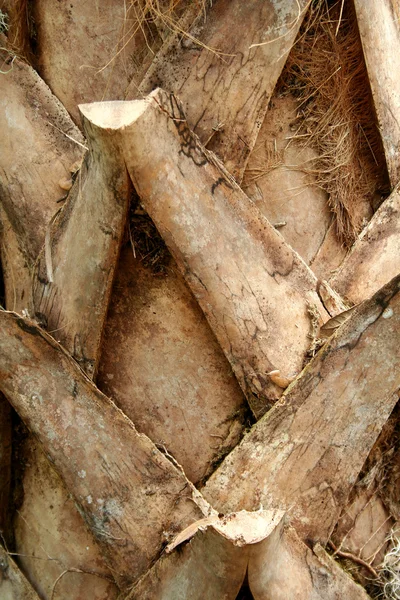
{"x":22,"y":34}
{"x":147,"y":245}
{"x":245,"y":592}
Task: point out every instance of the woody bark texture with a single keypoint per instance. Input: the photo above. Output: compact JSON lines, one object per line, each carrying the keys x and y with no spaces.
{"x":374,"y":259}
{"x":226,"y":81}
{"x":379,"y":25}
{"x":74,"y":275}
{"x":297,"y":456}
{"x":129,"y":494}
{"x":253,"y":288}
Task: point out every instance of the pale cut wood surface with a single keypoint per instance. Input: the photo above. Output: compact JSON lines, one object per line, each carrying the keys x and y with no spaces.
{"x":298,"y":456}
{"x":129,"y":494}
{"x":379,"y":25}
{"x":73,"y":279}
{"x":252,"y":287}
{"x":228,"y":89}
{"x":375,"y":257}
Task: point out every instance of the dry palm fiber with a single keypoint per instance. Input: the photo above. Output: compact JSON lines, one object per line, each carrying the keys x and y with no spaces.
{"x":326,"y":73}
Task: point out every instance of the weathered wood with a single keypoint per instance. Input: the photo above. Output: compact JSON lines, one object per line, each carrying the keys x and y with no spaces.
{"x":207,"y":568}
{"x":298,"y":456}
{"x":379,"y":25}
{"x":375,"y":257}
{"x":5,"y":465}
{"x":162,"y":366}
{"x":37,"y":151}
{"x":73,"y":280}
{"x":51,"y":538}
{"x":237,"y":265}
{"x":226,"y":82}
{"x":129,"y":494}
{"x":278,"y":568}
{"x":283,"y":567}
{"x":88,"y":52}
{"x":278,"y":180}
{"x":13,"y":584}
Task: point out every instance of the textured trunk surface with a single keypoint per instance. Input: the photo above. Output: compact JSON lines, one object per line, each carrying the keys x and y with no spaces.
{"x":226,"y":83}
{"x":375,"y":257}
{"x":163,"y":367}
{"x":379,"y":24}
{"x":189,"y":196}
{"x":75,"y":271}
{"x":297,"y":456}
{"x":129,"y":494}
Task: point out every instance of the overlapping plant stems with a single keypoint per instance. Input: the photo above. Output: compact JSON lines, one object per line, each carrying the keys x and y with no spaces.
{"x":326,"y":72}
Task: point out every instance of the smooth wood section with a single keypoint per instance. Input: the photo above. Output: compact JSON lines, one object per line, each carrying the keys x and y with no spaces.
{"x":379,"y":25}
{"x":129,"y":494}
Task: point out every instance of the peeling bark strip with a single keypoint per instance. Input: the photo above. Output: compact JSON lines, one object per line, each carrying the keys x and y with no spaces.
{"x":129,"y":494}
{"x":379,"y":25}
{"x":226,"y":84}
{"x":13,"y":584}
{"x":306,"y":453}
{"x":36,"y":152}
{"x":250,"y":284}
{"x":73,"y":281}
{"x":375,"y":257}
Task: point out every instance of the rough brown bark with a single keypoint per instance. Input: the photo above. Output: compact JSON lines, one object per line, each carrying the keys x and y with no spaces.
{"x":307,"y":452}
{"x":297,"y":457}
{"x":283,"y":567}
{"x":5,"y":464}
{"x":129,"y":494}
{"x":225,"y":84}
{"x":277,"y":181}
{"x":237,"y":265}
{"x":379,"y":27}
{"x":87,"y":52}
{"x":374,"y":258}
{"x":278,"y":568}
{"x":36,"y":155}
{"x":163,"y":367}
{"x":73,"y":279}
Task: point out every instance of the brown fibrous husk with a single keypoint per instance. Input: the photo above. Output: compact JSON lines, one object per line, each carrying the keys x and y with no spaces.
{"x":326,"y":72}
